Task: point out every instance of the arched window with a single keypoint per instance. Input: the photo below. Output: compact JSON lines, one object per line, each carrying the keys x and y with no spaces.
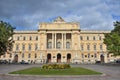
{"x":58,"y":45}
{"x":101,"y":47}
{"x":10,"y":55}
{"x":49,"y":45}
{"x":68,"y":45}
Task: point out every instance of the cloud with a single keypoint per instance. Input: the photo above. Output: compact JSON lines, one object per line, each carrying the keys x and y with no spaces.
{"x":92,"y":15}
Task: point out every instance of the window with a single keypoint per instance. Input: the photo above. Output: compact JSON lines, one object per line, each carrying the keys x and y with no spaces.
{"x":101,"y":47}
{"x":23,"y":46}
{"x":94,"y":47}
{"x":58,"y":45}
{"x":68,"y":45}
{"x":36,"y":38}
{"x":107,"y":55}
{"x":22,"y":55}
{"x":93,"y":37}
{"x":17,"y":47}
{"x":95,"y":55}
{"x":87,"y":38}
{"x":82,"y":55}
{"x":10,"y":56}
{"x":36,"y":46}
{"x":30,"y":38}
{"x":29,"y":55}
{"x":81,"y":38}
{"x":29,"y":47}
{"x":88,"y":55}
{"x":18,"y":38}
{"x":82,"y":48}
{"x":88,"y":47}
{"x":4,"y":56}
{"x":49,"y":46}
{"x":35,"y":55}
{"x":100,"y":38}
{"x":24,"y":38}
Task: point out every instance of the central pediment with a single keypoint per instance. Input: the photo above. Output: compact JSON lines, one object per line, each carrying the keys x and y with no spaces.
{"x":59,"y":23}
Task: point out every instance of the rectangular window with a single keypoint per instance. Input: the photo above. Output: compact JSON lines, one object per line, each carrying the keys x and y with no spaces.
{"x":101,"y":47}
{"x":94,"y":47}
{"x":82,"y":48}
{"x":88,"y":55}
{"x":95,"y":55}
{"x":93,"y":37}
{"x":36,"y":47}
{"x":82,"y":55}
{"x":24,"y":38}
{"x":23,"y":47}
{"x":36,"y":38}
{"x":17,"y":47}
{"x":88,"y":47}
{"x":81,"y":38}
{"x":18,"y":38}
{"x":87,"y":38}
{"x":29,"y":47}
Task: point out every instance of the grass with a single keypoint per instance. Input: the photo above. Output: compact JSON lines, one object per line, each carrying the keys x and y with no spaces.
{"x":71,"y":71}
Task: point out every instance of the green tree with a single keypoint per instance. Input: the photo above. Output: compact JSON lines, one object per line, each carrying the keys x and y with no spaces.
{"x":112,"y":40}
{"x":6,"y":33}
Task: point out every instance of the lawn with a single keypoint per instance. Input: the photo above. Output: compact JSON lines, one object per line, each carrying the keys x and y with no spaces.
{"x":71,"y":71}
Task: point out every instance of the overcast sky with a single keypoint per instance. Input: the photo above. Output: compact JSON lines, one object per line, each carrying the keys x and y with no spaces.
{"x":91,"y":14}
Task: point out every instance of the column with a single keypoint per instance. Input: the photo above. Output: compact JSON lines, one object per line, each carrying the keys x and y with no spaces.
{"x":55,"y":40}
{"x":52,"y":40}
{"x":65,"y":40}
{"x":62,"y":41}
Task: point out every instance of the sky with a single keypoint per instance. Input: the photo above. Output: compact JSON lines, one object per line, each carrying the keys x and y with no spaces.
{"x":91,"y":14}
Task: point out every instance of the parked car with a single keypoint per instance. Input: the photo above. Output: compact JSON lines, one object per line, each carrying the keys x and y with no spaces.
{"x":3,"y":61}
{"x":23,"y":62}
{"x":98,"y":62}
{"x":118,"y":61}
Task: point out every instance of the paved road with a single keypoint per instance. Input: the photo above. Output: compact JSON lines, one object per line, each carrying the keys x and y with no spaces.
{"x":110,"y":73}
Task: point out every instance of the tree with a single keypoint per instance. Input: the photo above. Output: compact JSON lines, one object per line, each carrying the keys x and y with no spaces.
{"x":6,"y":33}
{"x":112,"y":40}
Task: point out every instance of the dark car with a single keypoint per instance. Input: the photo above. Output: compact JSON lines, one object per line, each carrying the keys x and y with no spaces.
{"x":23,"y":62}
{"x":3,"y":61}
{"x":98,"y":62}
{"x":118,"y":61}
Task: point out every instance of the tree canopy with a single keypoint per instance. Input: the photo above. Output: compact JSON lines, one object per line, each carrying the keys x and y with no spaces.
{"x":112,"y":40}
{"x":6,"y":33}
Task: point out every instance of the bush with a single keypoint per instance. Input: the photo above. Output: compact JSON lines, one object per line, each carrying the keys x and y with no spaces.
{"x":56,"y":66}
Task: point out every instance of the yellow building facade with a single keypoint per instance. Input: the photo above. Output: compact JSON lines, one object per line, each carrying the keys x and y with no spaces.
{"x":59,"y":42}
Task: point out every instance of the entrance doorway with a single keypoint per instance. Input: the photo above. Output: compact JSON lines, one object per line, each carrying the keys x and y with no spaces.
{"x":48,"y":58}
{"x":102,"y":58}
{"x":68,"y":58}
{"x":16,"y":58}
{"x":58,"y":58}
